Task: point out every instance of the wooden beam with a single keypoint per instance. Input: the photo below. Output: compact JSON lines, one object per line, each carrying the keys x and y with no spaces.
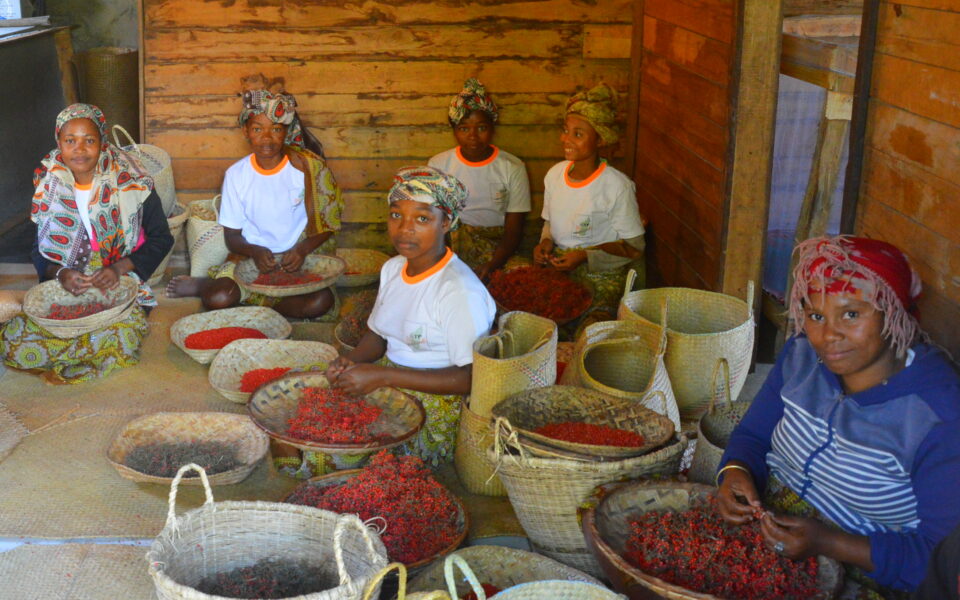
{"x":629,"y":143}
{"x":68,"y":73}
{"x":822,"y":7}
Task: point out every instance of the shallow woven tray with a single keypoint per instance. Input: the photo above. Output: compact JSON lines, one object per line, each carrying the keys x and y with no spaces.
{"x":236,"y":358}
{"x":503,"y":309}
{"x":36,"y":304}
{"x":606,"y":528}
{"x":274,"y":403}
{"x":364,"y":263}
{"x":328,"y":267}
{"x":267,"y":320}
{"x":535,"y":408}
{"x":463,"y":517}
{"x":236,"y":431}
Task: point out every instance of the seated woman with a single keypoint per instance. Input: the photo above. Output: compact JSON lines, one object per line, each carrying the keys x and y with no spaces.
{"x":280,"y":200}
{"x":98,"y":218}
{"x":429,"y":310}
{"x":852,"y":440}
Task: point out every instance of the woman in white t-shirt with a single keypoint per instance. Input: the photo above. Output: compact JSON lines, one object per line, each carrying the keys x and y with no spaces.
{"x":498,"y":190}
{"x":430,"y":309}
{"x":592,"y":227}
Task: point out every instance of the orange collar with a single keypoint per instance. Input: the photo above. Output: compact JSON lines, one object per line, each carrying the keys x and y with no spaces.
{"x":273,"y":171}
{"x":431,"y":271}
{"x":584,"y":182}
{"x":483,"y":162}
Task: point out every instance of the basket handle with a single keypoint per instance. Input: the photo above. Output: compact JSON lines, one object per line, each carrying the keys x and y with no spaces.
{"x":662,"y":346}
{"x":663,"y":401}
{"x":628,"y":284}
{"x":338,"y":532}
{"x":448,"y":565}
{"x":172,"y":501}
{"x":136,"y":147}
{"x":503,"y":436}
{"x":722,"y":367}
{"x":750,"y":286}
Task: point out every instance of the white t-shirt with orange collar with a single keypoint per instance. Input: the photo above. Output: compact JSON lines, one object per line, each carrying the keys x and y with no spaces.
{"x":602,"y":208}
{"x":266,"y":205}
{"x":496,"y":186}
{"x":431,"y":321}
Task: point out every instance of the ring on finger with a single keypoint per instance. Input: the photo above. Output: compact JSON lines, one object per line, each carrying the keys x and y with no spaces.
{"x":779,"y":547}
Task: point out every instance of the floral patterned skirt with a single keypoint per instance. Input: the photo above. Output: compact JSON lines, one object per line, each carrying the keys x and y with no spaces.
{"x":475,"y":246}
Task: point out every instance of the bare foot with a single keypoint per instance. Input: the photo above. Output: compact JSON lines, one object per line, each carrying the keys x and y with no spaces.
{"x":184,"y":286}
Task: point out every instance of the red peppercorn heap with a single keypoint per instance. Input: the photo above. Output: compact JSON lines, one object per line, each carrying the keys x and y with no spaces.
{"x":540,"y":291}
{"x":251,"y":380}
{"x":268,"y":578}
{"x":282,"y":278}
{"x":489,"y":590}
{"x":333,"y":416}
{"x":215,"y":339}
{"x":587,"y":433}
{"x":65,"y":312}
{"x":420,"y":514}
{"x":695,"y":549}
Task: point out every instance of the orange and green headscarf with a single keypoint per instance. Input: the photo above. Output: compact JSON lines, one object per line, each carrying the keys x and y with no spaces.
{"x":599,"y":107}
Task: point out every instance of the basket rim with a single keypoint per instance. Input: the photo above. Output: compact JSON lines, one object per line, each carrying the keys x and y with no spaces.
{"x":30,"y":305}
{"x":361,"y":279}
{"x":748,"y":318}
{"x":293,"y":290}
{"x":253,"y":342}
{"x":182,"y":327}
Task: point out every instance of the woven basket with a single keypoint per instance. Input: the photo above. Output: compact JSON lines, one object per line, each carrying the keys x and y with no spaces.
{"x":340,"y":336}
{"x":275,"y":403}
{"x":267,"y":320}
{"x":522,"y":355}
{"x":236,"y":358}
{"x":175,"y":222}
{"x":532,"y":409}
{"x":474,"y":469}
{"x":221,"y":536}
{"x":499,"y":566}
{"x":237,"y":431}
{"x":597,"y":332}
{"x":373,"y":592}
{"x":545,"y":492}
{"x":328,"y":267}
{"x":205,"y":242}
{"x":558,"y":590}
{"x":363,"y":266}
{"x":606,"y":526}
{"x":703,"y":327}
{"x":156,"y":162}
{"x":463,"y":517}
{"x":714,"y":429}
{"x":37,"y":302}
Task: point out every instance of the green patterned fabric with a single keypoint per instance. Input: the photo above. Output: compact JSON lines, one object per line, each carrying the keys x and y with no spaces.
{"x":599,"y":107}
{"x":430,"y":186}
{"x":473,"y":97}
{"x":475,"y":246}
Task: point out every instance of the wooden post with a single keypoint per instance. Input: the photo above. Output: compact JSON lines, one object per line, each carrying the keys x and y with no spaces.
{"x":629,"y":143}
{"x":68,"y":72}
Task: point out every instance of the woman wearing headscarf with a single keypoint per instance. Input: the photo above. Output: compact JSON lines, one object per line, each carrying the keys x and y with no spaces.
{"x":592,"y":227}
{"x":850,"y":449}
{"x":498,"y":190}
{"x":279,"y":204}
{"x":98,"y":219}
{"x":430,"y":309}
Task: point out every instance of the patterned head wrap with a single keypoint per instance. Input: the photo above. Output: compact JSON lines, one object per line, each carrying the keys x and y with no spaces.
{"x":472,"y":97}
{"x":430,"y":186}
{"x":83,"y":111}
{"x":599,"y":107}
{"x":279,"y":108}
{"x":872,"y":271}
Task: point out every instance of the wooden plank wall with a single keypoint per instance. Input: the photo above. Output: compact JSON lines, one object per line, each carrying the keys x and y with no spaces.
{"x":911,"y":178}
{"x":373,"y":80}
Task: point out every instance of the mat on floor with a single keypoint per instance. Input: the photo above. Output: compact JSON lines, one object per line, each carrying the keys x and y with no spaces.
{"x":11,"y":431}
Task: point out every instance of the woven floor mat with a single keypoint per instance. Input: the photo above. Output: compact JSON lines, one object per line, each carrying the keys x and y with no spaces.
{"x":11,"y":432}
{"x":75,"y":572}
{"x":58,"y":484}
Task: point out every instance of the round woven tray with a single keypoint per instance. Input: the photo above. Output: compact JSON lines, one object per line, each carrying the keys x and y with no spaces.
{"x":37,"y":302}
{"x":606,"y":526}
{"x":236,"y":431}
{"x":267,"y":320}
{"x":236,"y":358}
{"x":328,"y":267}
{"x":275,"y":403}
{"x":503,"y":309}
{"x":535,"y":408}
{"x":463,"y":517}
{"x":363,"y":266}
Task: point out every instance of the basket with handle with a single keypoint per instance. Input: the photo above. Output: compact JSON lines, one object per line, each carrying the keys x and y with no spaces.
{"x":591,"y":334}
{"x":474,"y":469}
{"x":704,"y":327}
{"x":222,"y":536}
{"x":205,"y":242}
{"x":39,"y":299}
{"x":156,"y":162}
{"x":372,"y":592}
{"x":175,"y":222}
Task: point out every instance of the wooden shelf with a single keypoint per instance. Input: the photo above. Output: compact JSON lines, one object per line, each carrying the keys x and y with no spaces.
{"x":821,"y":51}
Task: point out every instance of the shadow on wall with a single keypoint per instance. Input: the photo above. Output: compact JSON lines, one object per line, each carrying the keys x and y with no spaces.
{"x":100,"y":22}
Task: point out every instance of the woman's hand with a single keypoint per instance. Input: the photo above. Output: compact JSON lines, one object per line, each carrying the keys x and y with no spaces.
{"x":800,"y":536}
{"x":542,"y":252}
{"x":484,"y":271}
{"x":737,"y":497}
{"x":361,"y":378}
{"x":293,"y":259}
{"x":263,"y":259}
{"x":74,"y":281}
{"x":336,"y":367}
{"x":105,"y":279}
{"x":569,"y":261}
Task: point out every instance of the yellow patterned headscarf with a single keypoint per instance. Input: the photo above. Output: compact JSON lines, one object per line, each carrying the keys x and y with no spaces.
{"x":599,"y":107}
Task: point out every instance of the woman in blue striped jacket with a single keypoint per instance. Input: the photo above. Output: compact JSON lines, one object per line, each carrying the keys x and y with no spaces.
{"x":854,"y":438}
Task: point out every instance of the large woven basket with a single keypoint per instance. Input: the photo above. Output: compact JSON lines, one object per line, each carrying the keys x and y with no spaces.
{"x":703,"y":327}
{"x":236,"y":358}
{"x":205,"y":241}
{"x":532,"y":409}
{"x":222,"y":536}
{"x":176,"y":221}
{"x":463,"y":517}
{"x":267,"y":320}
{"x":474,"y":438}
{"x":606,"y":526}
{"x":545,"y":492}
{"x":363,"y":266}
{"x":156,"y":162}
{"x":521,"y":355}
{"x":275,"y":403}
{"x":37,"y":302}
{"x":714,"y":429}
{"x":236,"y":431}
{"x":327,"y":267}
{"x":597,"y":332}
